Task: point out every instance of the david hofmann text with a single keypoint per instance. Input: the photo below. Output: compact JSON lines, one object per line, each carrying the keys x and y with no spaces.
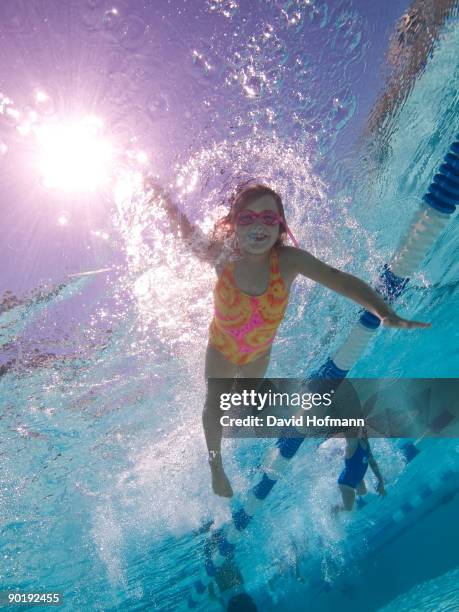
{"x":293,"y":421}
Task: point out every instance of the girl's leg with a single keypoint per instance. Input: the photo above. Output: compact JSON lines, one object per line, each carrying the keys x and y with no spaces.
{"x":220,"y":375}
{"x":257,"y":368}
{"x":348,"y":496}
{"x":252,"y":376}
{"x":211,"y":414}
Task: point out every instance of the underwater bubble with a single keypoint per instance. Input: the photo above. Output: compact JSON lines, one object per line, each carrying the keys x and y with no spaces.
{"x":275,"y":53}
{"x":253,"y":86}
{"x":200,"y":62}
{"x":294,"y":16}
{"x":111,"y":20}
{"x":158,"y":106}
{"x":318,"y":14}
{"x":268,"y":31}
{"x":10,"y":115}
{"x":132,"y":32}
{"x":229,"y":77}
{"x":226,"y":8}
{"x":238,"y":58}
{"x":119,"y":87}
{"x":267,"y":119}
{"x":207,"y":61}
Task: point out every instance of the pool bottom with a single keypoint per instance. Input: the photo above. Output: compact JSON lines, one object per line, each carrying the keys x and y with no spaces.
{"x":425,"y":547}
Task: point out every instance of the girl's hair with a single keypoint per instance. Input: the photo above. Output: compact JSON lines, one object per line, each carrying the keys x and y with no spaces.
{"x":245,"y":194}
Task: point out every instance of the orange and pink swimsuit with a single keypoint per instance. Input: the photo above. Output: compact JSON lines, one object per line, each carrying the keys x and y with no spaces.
{"x":244,"y":326}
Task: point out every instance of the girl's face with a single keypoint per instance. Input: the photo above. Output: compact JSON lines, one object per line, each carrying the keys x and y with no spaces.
{"x":258,"y":238}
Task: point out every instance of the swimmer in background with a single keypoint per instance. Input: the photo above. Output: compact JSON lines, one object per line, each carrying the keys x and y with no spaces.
{"x":410,"y":47}
{"x":357,"y":458}
{"x":251,"y":295}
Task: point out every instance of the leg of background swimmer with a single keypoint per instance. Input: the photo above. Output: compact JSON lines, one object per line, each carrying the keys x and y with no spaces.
{"x":348,"y":496}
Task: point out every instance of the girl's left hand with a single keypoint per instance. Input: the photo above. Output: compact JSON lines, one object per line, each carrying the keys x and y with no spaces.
{"x":393,"y":320}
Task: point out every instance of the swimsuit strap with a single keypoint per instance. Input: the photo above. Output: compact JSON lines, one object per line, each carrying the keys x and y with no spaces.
{"x":273,"y":264}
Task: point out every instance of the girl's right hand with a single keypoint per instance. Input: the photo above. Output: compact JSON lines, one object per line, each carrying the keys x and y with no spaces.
{"x":380,"y":488}
{"x":393,"y":320}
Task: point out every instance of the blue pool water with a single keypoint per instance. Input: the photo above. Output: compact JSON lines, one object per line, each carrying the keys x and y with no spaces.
{"x":105,"y":490}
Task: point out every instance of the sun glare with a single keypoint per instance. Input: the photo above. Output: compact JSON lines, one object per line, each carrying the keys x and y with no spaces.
{"x":74,"y":156}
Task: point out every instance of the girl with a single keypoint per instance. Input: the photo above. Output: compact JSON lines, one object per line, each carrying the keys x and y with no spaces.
{"x":357,"y":458}
{"x":251,"y":296}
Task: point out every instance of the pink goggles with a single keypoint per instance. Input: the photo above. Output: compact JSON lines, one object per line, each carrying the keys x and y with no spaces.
{"x":267,"y":217}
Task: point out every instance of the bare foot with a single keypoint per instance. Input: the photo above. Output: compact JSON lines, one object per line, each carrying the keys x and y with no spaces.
{"x":220,"y":483}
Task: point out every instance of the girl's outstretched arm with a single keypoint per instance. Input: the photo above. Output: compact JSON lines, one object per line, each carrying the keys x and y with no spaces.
{"x":348,"y":285}
{"x":200,"y":244}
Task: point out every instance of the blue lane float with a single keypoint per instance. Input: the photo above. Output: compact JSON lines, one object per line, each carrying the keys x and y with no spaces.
{"x":434,"y":212}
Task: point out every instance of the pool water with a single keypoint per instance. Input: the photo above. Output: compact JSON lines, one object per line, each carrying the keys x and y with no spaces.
{"x":105,"y":491}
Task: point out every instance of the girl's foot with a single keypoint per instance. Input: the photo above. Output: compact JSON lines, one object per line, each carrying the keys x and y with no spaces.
{"x":220,"y":483}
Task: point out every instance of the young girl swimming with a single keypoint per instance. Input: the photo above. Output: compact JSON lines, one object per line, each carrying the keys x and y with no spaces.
{"x":251,"y":297}
{"x":357,"y":458}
